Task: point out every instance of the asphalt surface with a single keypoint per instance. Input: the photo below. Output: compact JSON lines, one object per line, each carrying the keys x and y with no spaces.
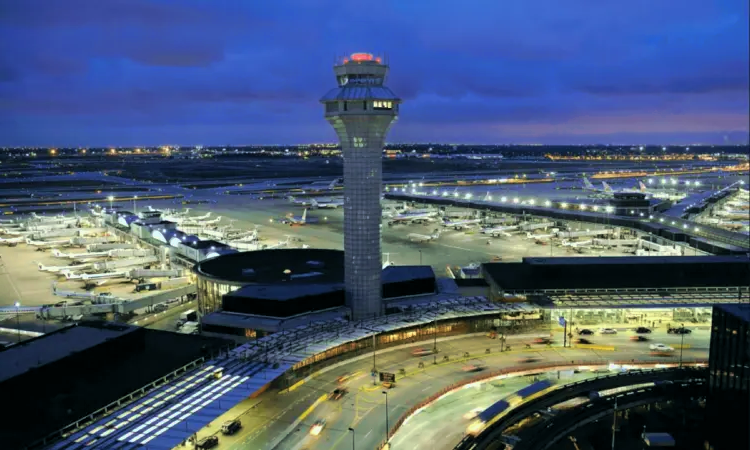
{"x":266,"y":418}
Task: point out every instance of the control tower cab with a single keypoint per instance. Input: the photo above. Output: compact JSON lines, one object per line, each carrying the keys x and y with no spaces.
{"x":361,"y":110}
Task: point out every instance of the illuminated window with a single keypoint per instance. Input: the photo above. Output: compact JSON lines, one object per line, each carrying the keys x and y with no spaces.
{"x":380,"y":104}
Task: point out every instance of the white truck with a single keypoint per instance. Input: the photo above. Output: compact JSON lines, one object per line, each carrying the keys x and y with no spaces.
{"x":189,"y":328}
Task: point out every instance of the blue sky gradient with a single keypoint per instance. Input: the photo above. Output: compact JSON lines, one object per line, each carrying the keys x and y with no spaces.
{"x":152,"y":72}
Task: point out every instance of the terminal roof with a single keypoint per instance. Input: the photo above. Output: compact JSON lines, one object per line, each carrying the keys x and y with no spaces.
{"x":539,"y":274}
{"x":282,"y":292}
{"x":359,"y":92}
{"x":742,"y":311}
{"x":398,"y":274}
{"x":51,"y":347}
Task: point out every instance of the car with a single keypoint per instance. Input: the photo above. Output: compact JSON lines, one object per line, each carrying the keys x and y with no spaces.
{"x":337,"y":393}
{"x":661,"y":348}
{"x":639,"y":338}
{"x":343,"y":378}
{"x":543,"y":340}
{"x":421,"y":352}
{"x":585,"y":332}
{"x":472,"y":368}
{"x":680,"y":330}
{"x":642,"y":330}
{"x":607,"y":331}
{"x":583,"y":341}
{"x":317,"y":427}
{"x":208,"y":442}
{"x":529,"y":360}
{"x":231,"y":426}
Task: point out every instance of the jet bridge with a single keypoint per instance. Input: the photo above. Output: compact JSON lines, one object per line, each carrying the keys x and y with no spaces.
{"x":108,"y":303}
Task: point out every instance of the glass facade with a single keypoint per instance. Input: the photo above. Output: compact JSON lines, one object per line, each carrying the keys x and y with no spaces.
{"x":210,"y":293}
{"x":728,"y":402}
{"x":635,"y":317}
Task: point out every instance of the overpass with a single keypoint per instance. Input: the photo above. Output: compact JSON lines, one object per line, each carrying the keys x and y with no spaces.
{"x":546,"y":433}
{"x":496,"y":432}
{"x":673,"y":228}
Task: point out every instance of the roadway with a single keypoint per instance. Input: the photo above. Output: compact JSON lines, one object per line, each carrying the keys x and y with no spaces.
{"x":269,"y":416}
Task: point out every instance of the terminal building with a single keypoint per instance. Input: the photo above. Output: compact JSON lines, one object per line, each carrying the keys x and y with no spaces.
{"x":260,"y":292}
{"x":51,"y":381}
{"x":728,"y":402}
{"x":643,"y":290}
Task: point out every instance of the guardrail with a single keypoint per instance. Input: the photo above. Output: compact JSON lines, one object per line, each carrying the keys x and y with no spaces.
{"x":509,"y":370}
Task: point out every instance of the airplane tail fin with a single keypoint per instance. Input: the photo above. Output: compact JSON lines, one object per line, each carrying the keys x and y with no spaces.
{"x":314,"y":203}
{"x":642,"y":186}
{"x":333,"y":184}
{"x":607,"y":187}
{"x":587,"y":183}
{"x":41,"y":266}
{"x":56,"y":252}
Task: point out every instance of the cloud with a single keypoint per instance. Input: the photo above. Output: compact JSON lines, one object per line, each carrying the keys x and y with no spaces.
{"x":478,"y":69}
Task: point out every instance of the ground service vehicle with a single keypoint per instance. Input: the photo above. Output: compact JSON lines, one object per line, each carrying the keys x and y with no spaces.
{"x":642,"y":330}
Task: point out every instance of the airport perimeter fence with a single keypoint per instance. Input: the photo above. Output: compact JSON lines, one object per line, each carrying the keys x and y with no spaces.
{"x":506,"y":371}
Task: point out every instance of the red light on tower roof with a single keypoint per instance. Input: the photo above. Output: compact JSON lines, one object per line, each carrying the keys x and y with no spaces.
{"x":361,"y":57}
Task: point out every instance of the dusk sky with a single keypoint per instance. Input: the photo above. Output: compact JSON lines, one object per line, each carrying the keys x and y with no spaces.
{"x":215,"y":72}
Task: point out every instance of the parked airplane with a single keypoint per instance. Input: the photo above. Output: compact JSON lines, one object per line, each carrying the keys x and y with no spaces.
{"x":80,"y":256}
{"x":57,"y":218}
{"x":461,"y":224}
{"x":189,"y":222}
{"x":58,"y":269}
{"x":296,"y":201}
{"x":321,"y":186}
{"x":48,"y":244}
{"x":14,"y":240}
{"x":566,"y":243}
{"x":295,"y":220}
{"x":415,"y":237}
{"x":331,"y":204}
{"x":497,"y":231}
{"x":413,"y":217}
{"x":539,"y":236}
{"x":96,"y":276}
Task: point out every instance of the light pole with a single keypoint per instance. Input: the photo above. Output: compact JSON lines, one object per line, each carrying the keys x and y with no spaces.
{"x":135,"y":210}
{"x":110,"y":198}
{"x":352,"y":430}
{"x":387,"y":428}
{"x":682,"y":341}
{"x":420,"y":257}
{"x":18,"y":321}
{"x":434,"y":343}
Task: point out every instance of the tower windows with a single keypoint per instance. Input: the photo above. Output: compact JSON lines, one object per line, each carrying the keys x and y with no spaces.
{"x":359,"y":142}
{"x":380,"y":104}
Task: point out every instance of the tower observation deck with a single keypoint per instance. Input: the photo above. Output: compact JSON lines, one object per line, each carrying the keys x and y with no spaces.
{"x":361,"y":110}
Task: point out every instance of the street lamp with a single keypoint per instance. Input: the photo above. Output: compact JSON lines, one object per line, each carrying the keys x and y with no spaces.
{"x":387,"y":429}
{"x":352,"y":430}
{"x":682,"y":341}
{"x":110,"y":198}
{"x":420,"y":256}
{"x":18,"y":320}
{"x":135,"y":210}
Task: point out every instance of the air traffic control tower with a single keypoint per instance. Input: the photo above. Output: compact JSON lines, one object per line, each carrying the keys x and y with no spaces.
{"x":361,"y":110}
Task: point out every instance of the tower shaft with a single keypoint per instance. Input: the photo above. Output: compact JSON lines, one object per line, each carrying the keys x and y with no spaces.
{"x":362,"y":139}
